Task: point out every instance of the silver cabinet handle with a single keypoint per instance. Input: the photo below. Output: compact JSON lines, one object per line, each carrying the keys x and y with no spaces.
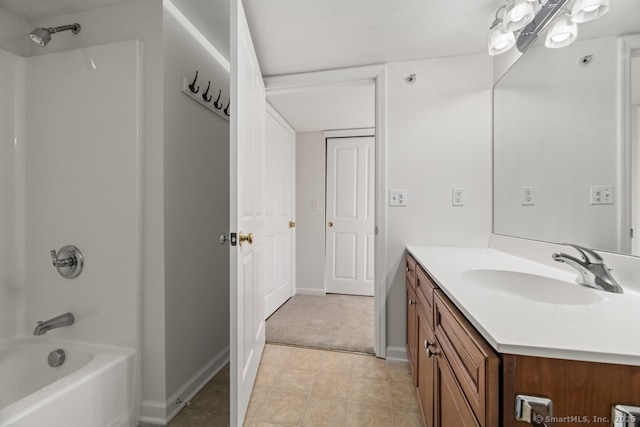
{"x":625,"y":416}
{"x":533,"y":409}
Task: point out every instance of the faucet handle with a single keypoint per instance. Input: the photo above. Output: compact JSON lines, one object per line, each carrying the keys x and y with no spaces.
{"x":54,"y":257}
{"x":585,"y":253}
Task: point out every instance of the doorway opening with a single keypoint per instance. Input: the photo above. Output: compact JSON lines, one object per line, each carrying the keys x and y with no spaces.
{"x":332,"y":298}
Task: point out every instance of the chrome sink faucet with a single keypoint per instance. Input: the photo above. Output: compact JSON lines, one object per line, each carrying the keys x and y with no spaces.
{"x":65,"y":319}
{"x":592,"y":270}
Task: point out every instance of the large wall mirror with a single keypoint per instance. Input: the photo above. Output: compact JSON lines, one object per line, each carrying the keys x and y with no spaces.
{"x":567,"y":138}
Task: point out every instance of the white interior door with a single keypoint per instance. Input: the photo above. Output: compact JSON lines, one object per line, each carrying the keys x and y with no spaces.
{"x":350,"y":215}
{"x":279,"y":218}
{"x":247,"y":128}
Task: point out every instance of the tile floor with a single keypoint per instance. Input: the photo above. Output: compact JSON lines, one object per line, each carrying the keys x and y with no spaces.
{"x":305,"y":387}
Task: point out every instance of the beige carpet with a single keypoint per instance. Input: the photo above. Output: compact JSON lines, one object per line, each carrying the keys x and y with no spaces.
{"x":337,"y":322}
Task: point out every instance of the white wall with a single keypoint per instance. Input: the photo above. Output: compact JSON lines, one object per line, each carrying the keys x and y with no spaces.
{"x":556,"y":130}
{"x":310,"y":229}
{"x":11,"y":213}
{"x":13,"y":33}
{"x":438,"y":137}
{"x":196,"y":212}
{"x":137,"y":19}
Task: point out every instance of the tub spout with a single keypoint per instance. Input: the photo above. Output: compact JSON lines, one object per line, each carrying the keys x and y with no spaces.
{"x":65,"y":319}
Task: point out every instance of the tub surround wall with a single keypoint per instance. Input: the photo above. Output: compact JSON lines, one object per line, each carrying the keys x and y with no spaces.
{"x":196,"y":212}
{"x":438,"y":137}
{"x":11,"y":179}
{"x":310,"y":236}
{"x":83,"y":125}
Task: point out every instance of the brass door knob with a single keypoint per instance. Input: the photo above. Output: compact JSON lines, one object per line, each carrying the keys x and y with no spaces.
{"x":330,"y":224}
{"x":292,"y":224}
{"x":248,"y":238}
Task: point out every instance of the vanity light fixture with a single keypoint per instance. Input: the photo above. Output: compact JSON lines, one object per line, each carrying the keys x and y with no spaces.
{"x":500,"y":40}
{"x":562,"y":33}
{"x":524,"y":20}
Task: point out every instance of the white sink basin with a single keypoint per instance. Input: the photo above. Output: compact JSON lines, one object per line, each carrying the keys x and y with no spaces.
{"x":533,"y":287}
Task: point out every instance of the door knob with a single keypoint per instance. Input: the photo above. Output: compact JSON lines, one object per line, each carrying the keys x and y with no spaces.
{"x":292,"y":224}
{"x":248,"y":238}
{"x":330,"y":224}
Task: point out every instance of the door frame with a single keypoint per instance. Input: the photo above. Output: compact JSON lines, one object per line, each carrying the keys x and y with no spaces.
{"x":350,"y":77}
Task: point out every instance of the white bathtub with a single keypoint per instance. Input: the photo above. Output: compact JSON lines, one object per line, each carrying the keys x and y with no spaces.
{"x":92,"y":388}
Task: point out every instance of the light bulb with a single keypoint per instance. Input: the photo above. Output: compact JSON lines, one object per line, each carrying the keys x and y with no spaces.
{"x":500,"y":40}
{"x":519,"y":14}
{"x":562,"y":33}
{"x":588,"y":10}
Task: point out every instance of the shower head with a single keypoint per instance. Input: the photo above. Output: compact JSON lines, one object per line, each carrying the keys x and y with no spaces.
{"x":42,"y":36}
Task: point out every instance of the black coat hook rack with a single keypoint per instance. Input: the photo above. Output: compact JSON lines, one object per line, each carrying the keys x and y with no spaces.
{"x":192,"y":89}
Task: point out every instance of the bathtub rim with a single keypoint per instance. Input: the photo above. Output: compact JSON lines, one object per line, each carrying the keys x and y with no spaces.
{"x":104,"y":357}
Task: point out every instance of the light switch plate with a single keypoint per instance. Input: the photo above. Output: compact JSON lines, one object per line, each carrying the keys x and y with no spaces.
{"x":397,"y":198}
{"x":602,"y":194}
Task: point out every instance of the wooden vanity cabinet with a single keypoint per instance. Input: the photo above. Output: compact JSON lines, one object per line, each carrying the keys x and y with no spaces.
{"x":455,"y":372}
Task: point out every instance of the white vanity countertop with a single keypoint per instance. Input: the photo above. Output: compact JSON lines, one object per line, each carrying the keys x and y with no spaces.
{"x":605,"y":331}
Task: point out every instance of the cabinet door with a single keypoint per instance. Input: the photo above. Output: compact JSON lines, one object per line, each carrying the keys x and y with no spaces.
{"x":451,"y":407}
{"x":412,"y":333}
{"x":426,"y":367}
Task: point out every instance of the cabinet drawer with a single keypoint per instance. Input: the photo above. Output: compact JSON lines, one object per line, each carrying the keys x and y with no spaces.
{"x":424,"y":291}
{"x":411,"y":271}
{"x":472,"y":360}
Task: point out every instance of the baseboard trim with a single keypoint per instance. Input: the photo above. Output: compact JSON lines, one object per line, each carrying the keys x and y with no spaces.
{"x":309,"y":291}
{"x":156,"y":412}
{"x":397,"y":354}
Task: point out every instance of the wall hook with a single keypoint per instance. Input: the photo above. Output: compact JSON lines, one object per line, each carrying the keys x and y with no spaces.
{"x":216,"y":103}
{"x":192,"y":86}
{"x":206,"y":92}
{"x":226,"y":109}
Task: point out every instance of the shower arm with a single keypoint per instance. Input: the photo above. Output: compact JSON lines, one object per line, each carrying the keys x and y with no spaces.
{"x":75,"y":28}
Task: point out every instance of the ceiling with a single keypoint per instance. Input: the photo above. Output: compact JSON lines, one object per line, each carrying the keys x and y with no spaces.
{"x":293,"y":36}
{"x":345,"y":107}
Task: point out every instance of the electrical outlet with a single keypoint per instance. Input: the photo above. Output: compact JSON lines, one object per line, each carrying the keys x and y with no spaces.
{"x":458,"y":197}
{"x":397,"y":197}
{"x":602,"y":194}
{"x":528,"y":196}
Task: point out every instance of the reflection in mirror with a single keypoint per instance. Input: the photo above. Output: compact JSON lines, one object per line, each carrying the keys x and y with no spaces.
{"x":566,"y":154}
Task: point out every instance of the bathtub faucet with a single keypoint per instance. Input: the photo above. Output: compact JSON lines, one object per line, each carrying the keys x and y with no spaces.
{"x":57,"y":322}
